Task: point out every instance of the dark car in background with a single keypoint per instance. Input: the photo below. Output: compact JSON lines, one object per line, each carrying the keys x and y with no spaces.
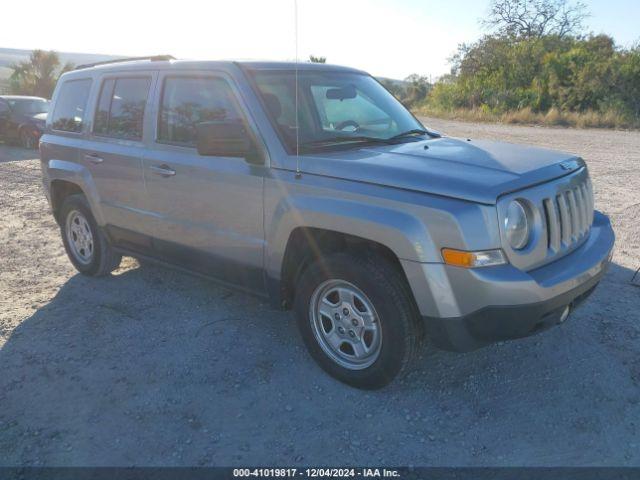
{"x":22,"y":119}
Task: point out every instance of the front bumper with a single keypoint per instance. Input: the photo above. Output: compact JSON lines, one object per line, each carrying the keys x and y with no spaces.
{"x":468,"y":308}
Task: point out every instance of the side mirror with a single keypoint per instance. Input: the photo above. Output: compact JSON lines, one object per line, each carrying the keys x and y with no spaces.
{"x":226,"y":139}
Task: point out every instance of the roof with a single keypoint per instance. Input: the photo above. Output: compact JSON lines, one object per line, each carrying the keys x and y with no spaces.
{"x":144,"y":64}
{"x":292,"y":66}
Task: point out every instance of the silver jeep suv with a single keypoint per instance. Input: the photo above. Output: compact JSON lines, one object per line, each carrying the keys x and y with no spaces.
{"x":313,"y":186}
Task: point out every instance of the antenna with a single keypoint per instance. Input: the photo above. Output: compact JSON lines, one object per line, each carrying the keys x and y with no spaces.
{"x":295,"y":20}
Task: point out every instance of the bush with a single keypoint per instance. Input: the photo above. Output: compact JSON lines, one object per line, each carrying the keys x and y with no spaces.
{"x":582,"y":81}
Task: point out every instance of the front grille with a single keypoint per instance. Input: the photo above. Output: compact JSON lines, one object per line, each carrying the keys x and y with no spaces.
{"x":561,"y":217}
{"x":568,"y":216}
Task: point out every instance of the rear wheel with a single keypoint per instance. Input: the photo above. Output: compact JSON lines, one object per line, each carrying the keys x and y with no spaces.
{"x":86,"y":245}
{"x":358,"y":319}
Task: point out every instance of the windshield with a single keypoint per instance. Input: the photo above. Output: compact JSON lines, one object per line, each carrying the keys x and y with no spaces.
{"x":343,"y":109}
{"x":30,"y":106}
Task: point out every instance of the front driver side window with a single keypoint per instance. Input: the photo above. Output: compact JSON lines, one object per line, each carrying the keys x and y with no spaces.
{"x":187,"y":101}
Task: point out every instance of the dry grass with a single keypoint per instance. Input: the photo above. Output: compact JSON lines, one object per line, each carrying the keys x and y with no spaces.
{"x":554,"y":117}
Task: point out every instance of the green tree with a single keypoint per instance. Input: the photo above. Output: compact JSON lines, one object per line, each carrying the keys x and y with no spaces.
{"x":38,"y":75}
{"x":411,"y":91}
{"x":629,"y":80}
{"x":536,"y":18}
{"x":416,"y":90}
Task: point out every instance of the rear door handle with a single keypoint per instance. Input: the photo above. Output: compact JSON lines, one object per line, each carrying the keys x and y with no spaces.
{"x":164,"y":170}
{"x":93,"y":158}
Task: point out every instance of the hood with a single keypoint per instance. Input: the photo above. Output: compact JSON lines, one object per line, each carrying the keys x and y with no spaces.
{"x":41,"y":117}
{"x":478,"y":171}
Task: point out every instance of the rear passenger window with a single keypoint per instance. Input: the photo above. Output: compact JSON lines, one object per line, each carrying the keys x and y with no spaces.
{"x":71,"y":105}
{"x":189,"y":101}
{"x":101,"y":124}
{"x":120,"y":111}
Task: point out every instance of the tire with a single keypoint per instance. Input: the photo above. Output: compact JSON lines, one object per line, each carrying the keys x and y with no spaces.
{"x":27,"y":139}
{"x":374,"y":284}
{"x":85,"y":244}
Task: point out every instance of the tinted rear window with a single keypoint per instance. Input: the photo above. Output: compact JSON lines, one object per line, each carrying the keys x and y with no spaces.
{"x":29,"y":106}
{"x":71,"y":105}
{"x":189,"y":101}
{"x":120,"y":111}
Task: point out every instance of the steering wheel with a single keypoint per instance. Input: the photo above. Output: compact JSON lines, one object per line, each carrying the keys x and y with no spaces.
{"x":348,"y":123}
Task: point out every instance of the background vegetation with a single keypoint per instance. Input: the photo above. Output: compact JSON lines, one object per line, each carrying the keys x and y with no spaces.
{"x":536,"y":67}
{"x":33,"y":72}
{"x":38,"y":75}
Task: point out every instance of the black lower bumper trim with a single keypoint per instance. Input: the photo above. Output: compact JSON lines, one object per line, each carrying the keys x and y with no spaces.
{"x":497,"y":323}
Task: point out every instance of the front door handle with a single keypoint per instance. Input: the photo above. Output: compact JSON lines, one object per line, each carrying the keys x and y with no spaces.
{"x":164,"y":170}
{"x":93,"y":158}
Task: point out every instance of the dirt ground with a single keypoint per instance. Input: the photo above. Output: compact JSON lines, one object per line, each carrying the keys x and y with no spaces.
{"x":154,"y":367}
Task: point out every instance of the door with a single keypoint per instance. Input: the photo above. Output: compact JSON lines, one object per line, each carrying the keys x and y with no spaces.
{"x":113,"y":150}
{"x":207,"y":211}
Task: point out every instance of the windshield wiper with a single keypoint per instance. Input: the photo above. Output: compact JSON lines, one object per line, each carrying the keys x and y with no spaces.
{"x":414,"y":131}
{"x":341,"y":140}
{"x":328,"y":142}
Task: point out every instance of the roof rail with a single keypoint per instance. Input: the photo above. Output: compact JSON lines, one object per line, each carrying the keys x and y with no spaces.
{"x":153,"y":58}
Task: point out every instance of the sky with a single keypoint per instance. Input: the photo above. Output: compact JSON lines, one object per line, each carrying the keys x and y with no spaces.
{"x":390,"y":38}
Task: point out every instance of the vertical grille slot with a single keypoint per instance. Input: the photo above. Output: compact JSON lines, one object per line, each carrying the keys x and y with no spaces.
{"x":582,"y":217}
{"x":553,"y":224}
{"x":573,"y":215}
{"x":565,"y":219}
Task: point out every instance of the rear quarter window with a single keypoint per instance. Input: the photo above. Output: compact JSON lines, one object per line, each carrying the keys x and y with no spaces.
{"x":71,"y":105}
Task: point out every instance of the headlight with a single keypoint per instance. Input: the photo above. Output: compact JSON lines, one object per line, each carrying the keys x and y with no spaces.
{"x":516,"y":225}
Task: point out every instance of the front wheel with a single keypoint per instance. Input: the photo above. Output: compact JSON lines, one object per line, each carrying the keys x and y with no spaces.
{"x":358,"y":319}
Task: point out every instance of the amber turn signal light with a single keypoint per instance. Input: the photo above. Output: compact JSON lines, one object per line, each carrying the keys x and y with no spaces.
{"x":465,"y":259}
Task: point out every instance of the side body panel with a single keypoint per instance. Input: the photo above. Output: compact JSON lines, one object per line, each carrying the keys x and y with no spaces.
{"x":208,"y":213}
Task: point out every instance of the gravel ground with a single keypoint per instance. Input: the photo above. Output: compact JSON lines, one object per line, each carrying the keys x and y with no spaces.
{"x":154,"y":367}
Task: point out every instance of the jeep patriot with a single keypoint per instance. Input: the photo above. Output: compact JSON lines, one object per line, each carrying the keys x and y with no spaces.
{"x":313,"y":186}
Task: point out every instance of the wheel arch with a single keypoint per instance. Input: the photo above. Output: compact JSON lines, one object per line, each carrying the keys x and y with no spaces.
{"x":307,"y":244}
{"x":71,"y":177}
{"x":61,"y":189}
{"x":308,"y":223}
